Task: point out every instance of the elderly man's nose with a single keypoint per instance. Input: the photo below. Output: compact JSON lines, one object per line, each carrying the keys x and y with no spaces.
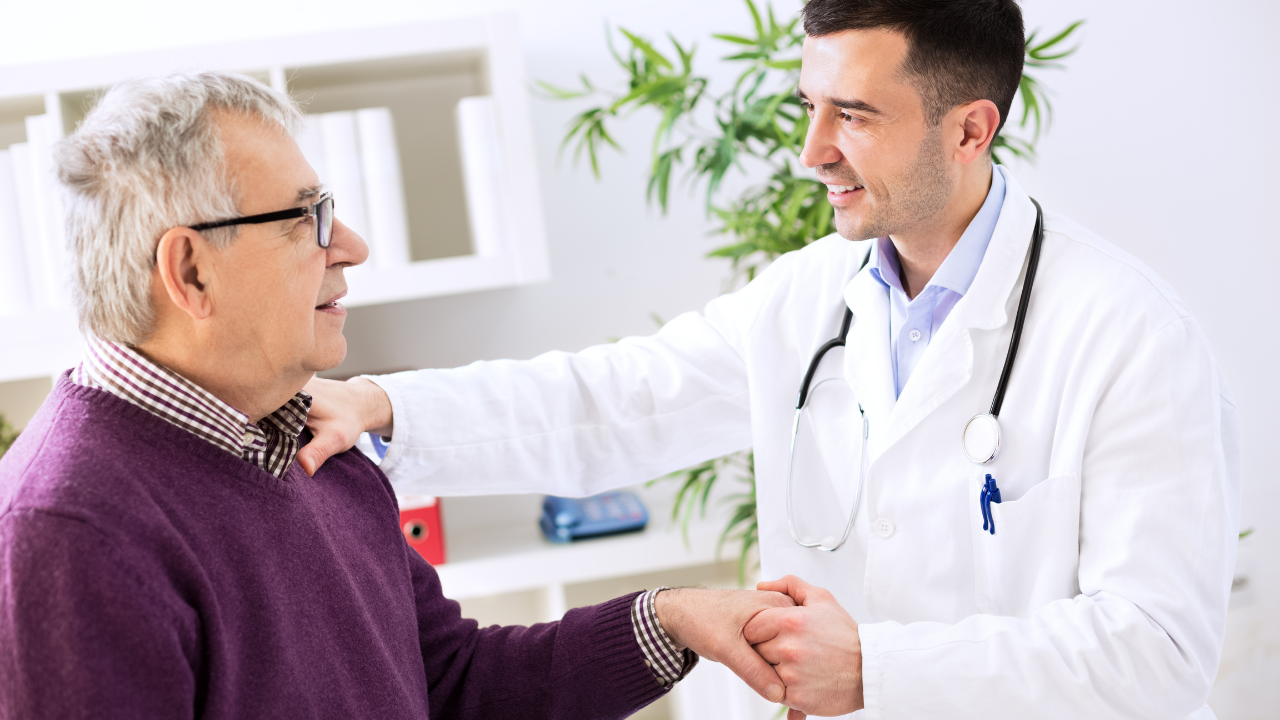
{"x":346,"y":246}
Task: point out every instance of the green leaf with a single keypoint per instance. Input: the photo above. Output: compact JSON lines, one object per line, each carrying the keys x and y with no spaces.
{"x":8,"y":435}
{"x":1055,"y":39}
{"x":737,"y":39}
{"x":660,"y":177}
{"x":643,"y":45}
{"x":560,"y":93}
{"x":755,"y":17}
{"x":784,"y":64}
{"x":686,"y":56}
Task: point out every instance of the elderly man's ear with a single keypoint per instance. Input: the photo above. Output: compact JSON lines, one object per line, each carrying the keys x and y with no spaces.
{"x":184,"y":270}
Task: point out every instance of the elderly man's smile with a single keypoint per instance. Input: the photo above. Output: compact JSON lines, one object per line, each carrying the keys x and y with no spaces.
{"x":333,"y":307}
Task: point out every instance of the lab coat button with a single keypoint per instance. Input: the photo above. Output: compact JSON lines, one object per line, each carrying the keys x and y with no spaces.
{"x":884,"y":527}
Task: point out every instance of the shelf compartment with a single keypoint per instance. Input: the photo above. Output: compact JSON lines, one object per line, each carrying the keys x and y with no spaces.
{"x":421,"y":71}
{"x":421,"y":92}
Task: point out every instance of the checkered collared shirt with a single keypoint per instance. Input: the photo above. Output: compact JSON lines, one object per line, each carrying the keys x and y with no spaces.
{"x":272,"y":445}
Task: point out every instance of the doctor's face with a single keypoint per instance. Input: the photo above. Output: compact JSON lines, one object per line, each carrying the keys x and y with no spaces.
{"x":884,"y":166}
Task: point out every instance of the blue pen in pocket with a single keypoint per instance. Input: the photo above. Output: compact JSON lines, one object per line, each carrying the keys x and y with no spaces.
{"x":990,"y":494}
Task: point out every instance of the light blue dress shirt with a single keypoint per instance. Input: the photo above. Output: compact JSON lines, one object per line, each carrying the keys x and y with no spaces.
{"x":912,"y":323}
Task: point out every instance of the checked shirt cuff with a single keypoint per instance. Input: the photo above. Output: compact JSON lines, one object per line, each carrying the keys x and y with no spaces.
{"x":668,"y":661}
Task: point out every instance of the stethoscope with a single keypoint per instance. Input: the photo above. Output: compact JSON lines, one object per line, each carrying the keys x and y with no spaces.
{"x":981,"y":438}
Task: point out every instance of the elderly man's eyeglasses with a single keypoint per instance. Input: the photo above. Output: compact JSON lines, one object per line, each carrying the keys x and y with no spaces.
{"x":321,"y":210}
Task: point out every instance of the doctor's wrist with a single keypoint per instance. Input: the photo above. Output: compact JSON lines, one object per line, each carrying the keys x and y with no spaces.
{"x":373,"y":406}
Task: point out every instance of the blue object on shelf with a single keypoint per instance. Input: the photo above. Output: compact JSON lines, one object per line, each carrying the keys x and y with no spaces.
{"x":567,"y":519}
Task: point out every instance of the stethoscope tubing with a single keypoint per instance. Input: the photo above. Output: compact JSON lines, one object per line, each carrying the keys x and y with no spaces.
{"x":1024,"y":301}
{"x":857,"y":500}
{"x":1037,"y":240}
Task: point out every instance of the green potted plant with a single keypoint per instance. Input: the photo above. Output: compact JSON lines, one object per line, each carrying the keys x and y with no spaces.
{"x":7,"y":435}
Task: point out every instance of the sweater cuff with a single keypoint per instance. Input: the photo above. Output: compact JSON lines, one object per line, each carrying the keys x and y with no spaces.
{"x":669,"y":662}
{"x":615,"y":657}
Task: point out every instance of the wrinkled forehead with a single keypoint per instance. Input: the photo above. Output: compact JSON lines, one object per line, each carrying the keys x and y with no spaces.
{"x":860,"y":69}
{"x":264,"y":163}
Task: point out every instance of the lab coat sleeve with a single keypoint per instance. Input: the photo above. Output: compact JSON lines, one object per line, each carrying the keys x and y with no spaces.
{"x":1158,"y":523}
{"x":575,"y":424}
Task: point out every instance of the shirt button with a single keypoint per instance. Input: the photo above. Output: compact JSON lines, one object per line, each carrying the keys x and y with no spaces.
{"x":248,"y":438}
{"x":914,"y":335}
{"x":884,"y":527}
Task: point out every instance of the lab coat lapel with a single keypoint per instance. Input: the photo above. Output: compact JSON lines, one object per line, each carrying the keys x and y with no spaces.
{"x":947,"y":365}
{"x":991,"y":299}
{"x":867,"y":365}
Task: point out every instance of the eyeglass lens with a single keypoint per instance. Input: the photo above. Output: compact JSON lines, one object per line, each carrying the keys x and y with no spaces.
{"x":324,"y":222}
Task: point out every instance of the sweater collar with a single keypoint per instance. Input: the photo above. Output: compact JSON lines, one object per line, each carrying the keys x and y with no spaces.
{"x":271,"y":443}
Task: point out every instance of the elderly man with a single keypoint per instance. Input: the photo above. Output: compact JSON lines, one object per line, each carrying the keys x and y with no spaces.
{"x":161,"y":552}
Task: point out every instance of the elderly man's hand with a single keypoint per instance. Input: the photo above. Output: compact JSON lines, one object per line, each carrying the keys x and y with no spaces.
{"x":711,"y":622}
{"x":814,"y":647}
{"x":340,"y":411}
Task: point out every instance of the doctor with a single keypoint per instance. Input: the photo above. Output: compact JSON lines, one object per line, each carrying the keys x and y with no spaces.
{"x":1088,"y":578}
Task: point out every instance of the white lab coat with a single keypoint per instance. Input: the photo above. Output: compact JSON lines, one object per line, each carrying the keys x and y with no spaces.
{"x":1103,"y":592}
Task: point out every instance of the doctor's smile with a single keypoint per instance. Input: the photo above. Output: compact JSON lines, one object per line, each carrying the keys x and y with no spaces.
{"x":994,"y":465}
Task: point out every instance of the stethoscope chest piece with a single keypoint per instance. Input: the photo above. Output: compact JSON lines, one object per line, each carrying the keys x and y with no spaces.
{"x":982,"y":438}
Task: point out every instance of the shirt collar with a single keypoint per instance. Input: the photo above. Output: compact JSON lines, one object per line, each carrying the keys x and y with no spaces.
{"x":271,"y":444}
{"x":961,"y":265}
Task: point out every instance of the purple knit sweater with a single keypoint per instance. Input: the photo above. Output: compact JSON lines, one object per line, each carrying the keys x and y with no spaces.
{"x":145,"y":573}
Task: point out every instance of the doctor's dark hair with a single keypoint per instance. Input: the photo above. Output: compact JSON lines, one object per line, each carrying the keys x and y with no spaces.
{"x":958,"y":50}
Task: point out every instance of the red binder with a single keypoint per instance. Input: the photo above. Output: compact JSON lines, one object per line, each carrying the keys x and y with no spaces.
{"x":420,"y":521}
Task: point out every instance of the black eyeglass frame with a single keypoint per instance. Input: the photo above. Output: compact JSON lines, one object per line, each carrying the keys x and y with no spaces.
{"x":324,"y":222}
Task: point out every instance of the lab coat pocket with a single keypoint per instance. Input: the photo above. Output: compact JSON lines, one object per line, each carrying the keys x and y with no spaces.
{"x":1032,"y":558}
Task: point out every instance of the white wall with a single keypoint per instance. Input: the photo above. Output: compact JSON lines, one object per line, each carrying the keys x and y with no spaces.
{"x":1161,"y":144}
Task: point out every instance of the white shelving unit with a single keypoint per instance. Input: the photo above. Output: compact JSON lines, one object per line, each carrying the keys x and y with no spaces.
{"x":473,"y":207}
{"x":509,"y":554}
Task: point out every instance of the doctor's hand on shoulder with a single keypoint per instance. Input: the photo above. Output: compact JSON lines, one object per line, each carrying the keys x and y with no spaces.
{"x":340,"y":412}
{"x":814,"y":647}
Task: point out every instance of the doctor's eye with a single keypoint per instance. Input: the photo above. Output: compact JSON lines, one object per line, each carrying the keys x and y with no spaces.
{"x":848,"y":119}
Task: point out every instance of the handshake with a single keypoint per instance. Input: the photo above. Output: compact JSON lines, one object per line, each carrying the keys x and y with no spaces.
{"x":790,"y":641}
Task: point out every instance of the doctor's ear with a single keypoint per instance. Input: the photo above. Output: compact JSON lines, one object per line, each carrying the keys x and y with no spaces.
{"x":183,"y":271}
{"x":978,"y":122}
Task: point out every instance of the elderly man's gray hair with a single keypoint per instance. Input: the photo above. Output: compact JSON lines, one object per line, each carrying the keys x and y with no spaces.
{"x":146,"y":159}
